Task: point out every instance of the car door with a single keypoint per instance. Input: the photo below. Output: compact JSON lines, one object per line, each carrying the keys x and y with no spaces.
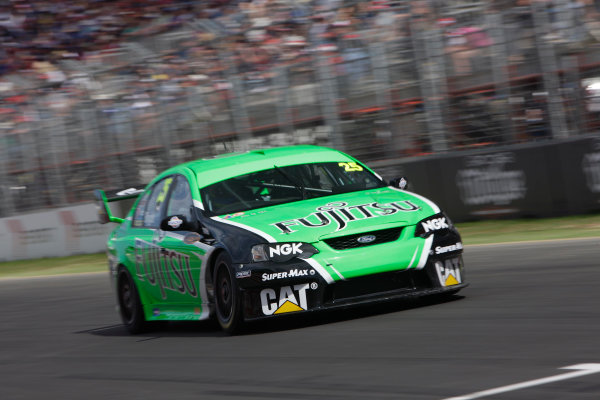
{"x":184,"y":261}
{"x":146,"y":233}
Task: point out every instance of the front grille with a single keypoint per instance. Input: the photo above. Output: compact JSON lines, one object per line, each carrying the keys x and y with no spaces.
{"x":408,"y":280}
{"x":351,"y":241}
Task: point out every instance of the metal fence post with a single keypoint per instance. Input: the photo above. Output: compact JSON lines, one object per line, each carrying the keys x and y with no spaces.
{"x":57,"y":142}
{"x":31,"y":156}
{"x":196,"y":103}
{"x":166,"y":133}
{"x":100,"y":161}
{"x":329,"y":106}
{"x":500,"y":70}
{"x":574,"y":114}
{"x":284,"y":105}
{"x":383,"y":95}
{"x":7,"y":207}
{"x":430,"y":63}
{"x":241,"y":120}
{"x":549,"y":65}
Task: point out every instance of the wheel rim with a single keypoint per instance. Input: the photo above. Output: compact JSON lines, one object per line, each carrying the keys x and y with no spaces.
{"x":224,"y":293}
{"x":126,"y":298}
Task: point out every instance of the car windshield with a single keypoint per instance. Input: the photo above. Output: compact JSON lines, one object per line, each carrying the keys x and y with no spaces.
{"x":280,"y":185}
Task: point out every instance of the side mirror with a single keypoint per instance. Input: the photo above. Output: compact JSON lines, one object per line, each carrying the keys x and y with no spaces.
{"x":178,"y":223}
{"x":400,"y":183}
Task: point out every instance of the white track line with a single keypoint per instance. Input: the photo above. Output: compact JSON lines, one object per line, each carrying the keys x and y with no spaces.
{"x":581,"y":370}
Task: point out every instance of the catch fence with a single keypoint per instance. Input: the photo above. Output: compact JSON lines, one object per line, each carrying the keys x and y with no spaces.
{"x":466,"y":77}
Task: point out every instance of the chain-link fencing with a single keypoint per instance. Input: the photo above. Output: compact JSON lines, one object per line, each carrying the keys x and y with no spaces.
{"x":424,"y":80}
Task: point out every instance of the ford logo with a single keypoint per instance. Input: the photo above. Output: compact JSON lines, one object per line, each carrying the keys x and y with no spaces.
{"x":366,"y":239}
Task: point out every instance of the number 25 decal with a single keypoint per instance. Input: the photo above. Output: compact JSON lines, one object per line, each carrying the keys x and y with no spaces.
{"x":350,"y":166}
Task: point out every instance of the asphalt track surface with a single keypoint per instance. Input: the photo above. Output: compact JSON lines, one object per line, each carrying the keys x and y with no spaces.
{"x":530,"y":310}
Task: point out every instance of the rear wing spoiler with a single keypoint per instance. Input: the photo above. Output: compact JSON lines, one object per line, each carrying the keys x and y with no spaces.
{"x":105,"y":214}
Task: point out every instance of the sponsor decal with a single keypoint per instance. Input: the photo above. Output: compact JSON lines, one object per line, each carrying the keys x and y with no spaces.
{"x":341,"y":214}
{"x":591,"y":169}
{"x":366,"y":239}
{"x":237,"y":214}
{"x":402,"y":183}
{"x":434,"y":224}
{"x":67,"y":218}
{"x":243,"y":274}
{"x":447,"y":249}
{"x":175,"y":222}
{"x":292,"y":273}
{"x":285,"y":249}
{"x":350,"y":166}
{"x":448,"y":272}
{"x":127,"y":192}
{"x":162,"y":195}
{"x":488,"y":180}
{"x":22,"y":237}
{"x":167,"y":269}
{"x":192,"y":237}
{"x":282,"y":252}
{"x":87,"y":229}
{"x":286,"y":299}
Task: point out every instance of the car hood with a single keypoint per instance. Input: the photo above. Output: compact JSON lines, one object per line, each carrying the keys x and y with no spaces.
{"x":332,"y":216}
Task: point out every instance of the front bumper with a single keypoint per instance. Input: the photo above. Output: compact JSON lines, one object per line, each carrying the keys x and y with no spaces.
{"x":267,"y":294}
{"x":383,"y":272}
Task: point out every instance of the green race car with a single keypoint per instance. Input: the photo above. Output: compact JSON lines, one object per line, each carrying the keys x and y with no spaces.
{"x":264,"y":233}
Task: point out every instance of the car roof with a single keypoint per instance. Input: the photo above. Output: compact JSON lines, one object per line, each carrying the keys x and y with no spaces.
{"x":225,"y":166}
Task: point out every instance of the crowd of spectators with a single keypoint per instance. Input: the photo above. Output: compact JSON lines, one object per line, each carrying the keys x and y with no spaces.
{"x":69,"y":50}
{"x":46,"y":31}
{"x":36,"y":36}
{"x":94,"y":76}
{"x":243,"y":36}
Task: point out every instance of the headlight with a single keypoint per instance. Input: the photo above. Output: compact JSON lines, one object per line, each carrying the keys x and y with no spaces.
{"x":281,"y":252}
{"x":436,"y":223}
{"x":259,"y":253}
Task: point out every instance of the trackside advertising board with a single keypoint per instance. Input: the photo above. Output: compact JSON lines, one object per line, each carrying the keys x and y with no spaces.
{"x":539,"y":179}
{"x":53,"y":233}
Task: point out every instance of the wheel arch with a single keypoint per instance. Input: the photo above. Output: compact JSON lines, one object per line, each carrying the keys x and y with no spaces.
{"x":143,"y":296}
{"x":118,"y":271}
{"x":210,"y":275}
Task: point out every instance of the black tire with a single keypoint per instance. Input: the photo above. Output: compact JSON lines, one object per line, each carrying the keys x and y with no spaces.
{"x":130,"y":306}
{"x":228,"y":300}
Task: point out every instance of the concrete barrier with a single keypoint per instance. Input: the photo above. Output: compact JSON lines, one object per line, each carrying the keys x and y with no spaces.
{"x":539,"y":179}
{"x":53,"y":233}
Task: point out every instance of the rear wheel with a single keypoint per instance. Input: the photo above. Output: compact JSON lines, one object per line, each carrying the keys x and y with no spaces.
{"x":227,"y":296}
{"x":130,"y":306}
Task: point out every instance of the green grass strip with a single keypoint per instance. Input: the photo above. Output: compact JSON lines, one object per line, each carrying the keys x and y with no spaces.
{"x":518,"y":230}
{"x":54,"y":266}
{"x":480,"y":232}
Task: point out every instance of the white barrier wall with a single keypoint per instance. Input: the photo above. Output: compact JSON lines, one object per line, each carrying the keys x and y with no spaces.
{"x":55,"y":233}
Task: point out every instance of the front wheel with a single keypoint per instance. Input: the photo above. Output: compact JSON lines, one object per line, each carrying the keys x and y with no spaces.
{"x":130,"y":306}
{"x":227,"y":296}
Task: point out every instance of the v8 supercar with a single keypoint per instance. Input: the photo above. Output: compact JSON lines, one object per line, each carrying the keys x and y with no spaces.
{"x":271,"y":232}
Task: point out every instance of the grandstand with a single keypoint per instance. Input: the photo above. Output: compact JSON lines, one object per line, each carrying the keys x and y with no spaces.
{"x":108,"y":93}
